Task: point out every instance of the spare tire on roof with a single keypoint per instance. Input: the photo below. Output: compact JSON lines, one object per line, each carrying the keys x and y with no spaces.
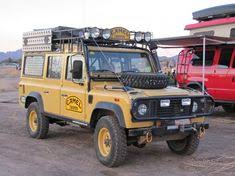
{"x":144,"y":80}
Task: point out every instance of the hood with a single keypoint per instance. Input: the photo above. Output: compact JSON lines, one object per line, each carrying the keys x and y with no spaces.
{"x":169,"y":91}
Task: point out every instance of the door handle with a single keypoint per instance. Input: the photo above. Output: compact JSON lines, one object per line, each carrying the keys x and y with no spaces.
{"x":64,"y":95}
{"x":46,"y":92}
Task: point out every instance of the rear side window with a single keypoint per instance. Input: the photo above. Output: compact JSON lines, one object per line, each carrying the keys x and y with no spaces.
{"x":54,"y":67}
{"x":33,"y":65}
{"x":198,"y":58}
{"x":225,"y":57}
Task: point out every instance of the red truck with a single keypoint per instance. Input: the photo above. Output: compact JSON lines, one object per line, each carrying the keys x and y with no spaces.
{"x":217,"y":26}
{"x":219,"y":73}
{"x":219,"y":61}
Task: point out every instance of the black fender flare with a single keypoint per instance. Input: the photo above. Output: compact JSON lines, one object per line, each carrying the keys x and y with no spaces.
{"x":199,"y":84}
{"x":116,"y":109}
{"x":36,"y":96}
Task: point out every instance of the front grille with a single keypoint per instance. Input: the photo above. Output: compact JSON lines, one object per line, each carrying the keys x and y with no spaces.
{"x":174,"y":110}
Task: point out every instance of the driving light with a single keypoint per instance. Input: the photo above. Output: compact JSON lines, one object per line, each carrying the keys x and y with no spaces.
{"x":186,"y":102}
{"x":142,"y":109}
{"x":95,"y":32}
{"x":138,"y":36}
{"x":106,"y":33}
{"x":165,"y":103}
{"x":195,"y":107}
{"x":147,"y":36}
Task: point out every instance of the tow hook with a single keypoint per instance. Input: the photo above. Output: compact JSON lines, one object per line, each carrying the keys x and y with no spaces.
{"x":149,"y":137}
{"x":145,"y":139}
{"x":201,"y":132}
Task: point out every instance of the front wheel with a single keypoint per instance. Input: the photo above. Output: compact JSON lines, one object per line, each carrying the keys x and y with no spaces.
{"x":186,"y":146}
{"x":110,"y":142}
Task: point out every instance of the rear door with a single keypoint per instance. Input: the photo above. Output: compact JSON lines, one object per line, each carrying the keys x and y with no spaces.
{"x":52,"y":84}
{"x":73,"y":93}
{"x":222,"y":84}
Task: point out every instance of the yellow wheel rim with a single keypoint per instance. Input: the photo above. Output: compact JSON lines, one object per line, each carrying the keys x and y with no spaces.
{"x":33,"y":121}
{"x":104,"y":142}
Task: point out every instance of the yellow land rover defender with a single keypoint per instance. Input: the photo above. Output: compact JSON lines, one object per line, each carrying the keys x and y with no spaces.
{"x":110,"y":81}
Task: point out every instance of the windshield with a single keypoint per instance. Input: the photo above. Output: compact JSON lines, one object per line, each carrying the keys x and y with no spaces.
{"x":119,"y":62}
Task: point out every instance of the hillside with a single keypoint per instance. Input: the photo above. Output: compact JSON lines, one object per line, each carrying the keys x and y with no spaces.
{"x":10,"y":54}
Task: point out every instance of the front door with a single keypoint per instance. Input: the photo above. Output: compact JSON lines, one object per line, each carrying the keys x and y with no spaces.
{"x":73,"y":92}
{"x":231,"y":79}
{"x":51,"y":87}
{"x":222,"y":84}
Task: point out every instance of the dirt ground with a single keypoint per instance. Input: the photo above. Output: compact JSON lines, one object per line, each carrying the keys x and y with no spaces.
{"x":68,"y":151}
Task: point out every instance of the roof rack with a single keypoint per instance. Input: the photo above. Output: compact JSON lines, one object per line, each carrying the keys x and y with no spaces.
{"x":55,"y":39}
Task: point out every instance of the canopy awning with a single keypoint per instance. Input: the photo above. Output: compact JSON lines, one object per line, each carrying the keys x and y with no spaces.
{"x":189,"y":41}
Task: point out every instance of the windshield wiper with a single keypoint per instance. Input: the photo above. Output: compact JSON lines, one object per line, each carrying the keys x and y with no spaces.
{"x":104,"y":70}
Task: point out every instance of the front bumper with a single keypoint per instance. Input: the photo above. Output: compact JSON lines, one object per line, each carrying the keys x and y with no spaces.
{"x":168,"y":130}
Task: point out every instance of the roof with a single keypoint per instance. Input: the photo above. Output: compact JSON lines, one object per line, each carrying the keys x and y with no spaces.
{"x":222,"y":11}
{"x":189,"y":41}
{"x":215,"y":22}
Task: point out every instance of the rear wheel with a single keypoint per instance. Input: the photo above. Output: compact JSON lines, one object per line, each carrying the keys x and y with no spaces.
{"x":229,"y":108}
{"x":186,"y":146}
{"x":110,"y":142}
{"x":37,"y":125}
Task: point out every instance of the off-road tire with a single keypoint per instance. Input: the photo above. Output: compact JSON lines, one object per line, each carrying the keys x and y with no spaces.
{"x":190,"y":145}
{"x":42,"y":121}
{"x":229,"y":108}
{"x":118,"y":151}
{"x":144,"y":80}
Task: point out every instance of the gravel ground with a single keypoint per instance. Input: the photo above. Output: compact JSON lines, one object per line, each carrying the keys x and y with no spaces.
{"x":68,"y":151}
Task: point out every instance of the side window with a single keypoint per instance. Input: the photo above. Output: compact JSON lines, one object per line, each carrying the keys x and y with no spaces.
{"x":54,"y":67}
{"x":69,"y":66}
{"x":225,"y":57}
{"x":33,"y":65}
{"x":198,"y":58}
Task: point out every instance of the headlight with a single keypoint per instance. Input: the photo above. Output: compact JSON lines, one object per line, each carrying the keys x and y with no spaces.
{"x":195,"y":106}
{"x":95,"y":32}
{"x":147,"y":36}
{"x":106,"y":33}
{"x":142,"y":109}
{"x":138,"y":36}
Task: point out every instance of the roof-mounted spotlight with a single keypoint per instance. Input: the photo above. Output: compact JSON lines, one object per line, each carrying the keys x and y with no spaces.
{"x":95,"y":32}
{"x":139,"y":36}
{"x":87,"y":34}
{"x":147,"y":36}
{"x":106,"y":33}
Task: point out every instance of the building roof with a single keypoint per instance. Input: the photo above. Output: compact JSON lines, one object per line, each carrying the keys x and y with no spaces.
{"x":214,"y":22}
{"x":222,"y":11}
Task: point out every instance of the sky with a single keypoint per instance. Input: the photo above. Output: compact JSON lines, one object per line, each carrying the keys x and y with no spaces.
{"x":164,"y":18}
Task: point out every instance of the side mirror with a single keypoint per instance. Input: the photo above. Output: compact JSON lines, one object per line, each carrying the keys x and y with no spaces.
{"x":77,"y":69}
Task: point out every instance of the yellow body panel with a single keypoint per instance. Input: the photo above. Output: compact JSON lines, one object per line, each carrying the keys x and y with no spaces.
{"x":70,"y":99}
